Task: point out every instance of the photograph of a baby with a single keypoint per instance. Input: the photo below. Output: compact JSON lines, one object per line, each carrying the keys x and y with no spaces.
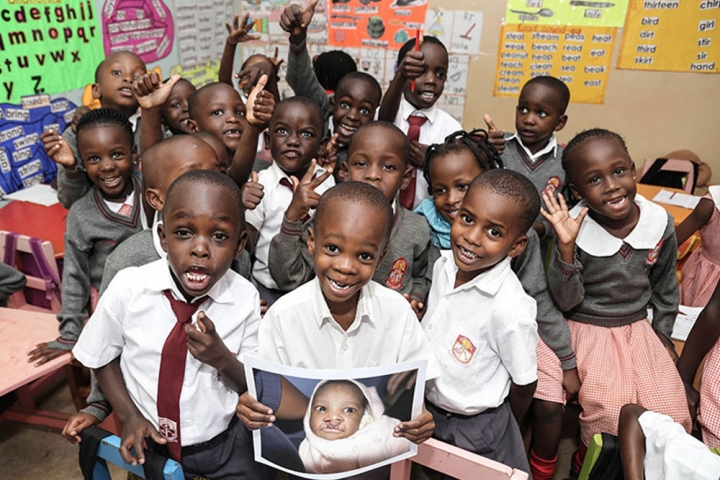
{"x":345,"y":429}
{"x":341,"y":423}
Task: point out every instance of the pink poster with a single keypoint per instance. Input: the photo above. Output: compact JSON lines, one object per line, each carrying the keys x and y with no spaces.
{"x":144,"y":27}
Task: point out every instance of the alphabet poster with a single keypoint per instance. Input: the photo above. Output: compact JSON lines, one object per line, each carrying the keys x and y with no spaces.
{"x":672,"y":35}
{"x":579,"y":56}
{"x":48,"y":48}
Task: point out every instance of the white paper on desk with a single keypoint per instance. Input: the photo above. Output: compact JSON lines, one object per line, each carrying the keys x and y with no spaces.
{"x":685,"y":321}
{"x":677,"y":199}
{"x":40,"y":193}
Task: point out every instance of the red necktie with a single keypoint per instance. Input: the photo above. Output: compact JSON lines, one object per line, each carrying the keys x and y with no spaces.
{"x":407,"y":196}
{"x":172,"y":372}
{"x":125,"y":210}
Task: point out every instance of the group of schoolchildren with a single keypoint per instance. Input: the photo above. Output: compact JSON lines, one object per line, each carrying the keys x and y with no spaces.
{"x":361,"y":242}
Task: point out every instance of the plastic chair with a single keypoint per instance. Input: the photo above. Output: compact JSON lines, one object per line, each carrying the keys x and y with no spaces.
{"x":681,"y":174}
{"x":36,"y":259}
{"x":602,"y":460}
{"x":455,"y":462}
{"x":107,"y":449}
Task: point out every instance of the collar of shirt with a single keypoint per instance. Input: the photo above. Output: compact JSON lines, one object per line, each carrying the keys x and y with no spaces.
{"x":134,"y":119}
{"x":322,"y":311}
{"x":550,"y":147}
{"x":407,"y":109}
{"x":157,"y":220}
{"x":598,"y":242}
{"x":715,"y":194}
{"x":116,"y":206}
{"x":160,"y":279}
{"x":488,"y":282}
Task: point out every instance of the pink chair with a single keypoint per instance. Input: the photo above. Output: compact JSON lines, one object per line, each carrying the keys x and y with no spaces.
{"x":654,"y":173}
{"x":36,"y":259}
{"x":455,"y":462}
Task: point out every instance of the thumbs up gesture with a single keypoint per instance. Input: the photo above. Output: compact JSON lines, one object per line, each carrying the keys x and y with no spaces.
{"x":305,"y":197}
{"x":496,"y":137}
{"x":295,"y":20}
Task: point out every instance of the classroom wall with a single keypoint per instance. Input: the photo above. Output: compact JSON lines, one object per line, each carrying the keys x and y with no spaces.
{"x":656,"y":112}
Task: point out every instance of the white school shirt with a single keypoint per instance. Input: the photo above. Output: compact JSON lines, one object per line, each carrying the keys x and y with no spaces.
{"x":484,"y":336}
{"x":267,"y":216}
{"x":670,"y":453}
{"x":299,"y":331}
{"x":439,"y":125}
{"x":134,"y":318}
{"x":550,"y":147}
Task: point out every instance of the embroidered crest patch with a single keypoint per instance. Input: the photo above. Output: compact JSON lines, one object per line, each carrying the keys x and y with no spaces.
{"x":168,"y":429}
{"x":552,"y":185}
{"x":397,"y":273}
{"x":652,"y":255}
{"x":463,"y":349}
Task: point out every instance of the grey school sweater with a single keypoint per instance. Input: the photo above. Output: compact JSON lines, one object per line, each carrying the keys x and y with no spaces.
{"x":92,"y":233}
{"x":552,"y":327}
{"x":614,"y":291}
{"x":545,"y":173}
{"x":403,"y":267}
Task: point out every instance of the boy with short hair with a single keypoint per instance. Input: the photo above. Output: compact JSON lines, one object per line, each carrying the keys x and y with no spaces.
{"x":114,"y":78}
{"x":533,"y":149}
{"x":356,"y":97}
{"x":178,"y":371}
{"x":295,"y":134}
{"x":481,"y":324}
{"x":342,"y":319}
{"x":378,"y":156}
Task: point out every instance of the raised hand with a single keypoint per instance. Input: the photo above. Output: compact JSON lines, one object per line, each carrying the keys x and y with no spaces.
{"x":57,"y":149}
{"x":496,"y":137}
{"x":252,"y":192}
{"x":260,"y":104}
{"x":305,"y":197}
{"x":150,"y":90}
{"x":566,"y":227}
{"x":276,"y":63}
{"x":412,"y":65}
{"x":295,"y":19}
{"x":79,"y":112}
{"x":327,"y":158}
{"x":204,"y":343}
{"x":239,"y":33}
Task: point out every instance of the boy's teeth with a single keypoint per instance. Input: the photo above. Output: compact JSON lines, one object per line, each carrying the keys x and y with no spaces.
{"x":427,"y":95}
{"x":196,"y":277}
{"x":468,"y":253}
{"x":348,"y":127}
{"x":339,"y":286}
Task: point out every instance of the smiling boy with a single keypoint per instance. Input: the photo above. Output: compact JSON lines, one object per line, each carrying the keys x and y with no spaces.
{"x":177,"y":326}
{"x":481,"y":324}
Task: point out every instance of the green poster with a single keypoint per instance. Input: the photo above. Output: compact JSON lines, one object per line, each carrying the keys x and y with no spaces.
{"x":47,"y":47}
{"x":590,"y":13}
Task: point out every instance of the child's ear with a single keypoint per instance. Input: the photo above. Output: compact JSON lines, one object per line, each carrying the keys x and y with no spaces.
{"x":518,"y":247}
{"x":407,"y":176}
{"x":574,"y":191}
{"x":561,"y":123}
{"x":134,"y":155}
{"x":311,"y":241}
{"x":193,"y":125}
{"x":241,"y":242}
{"x":155,"y":199}
{"x":96,"y":91}
{"x":342,"y":172}
{"x":266,"y":139}
{"x":163,"y":238}
{"x":331,"y":102}
{"x":633,"y":170}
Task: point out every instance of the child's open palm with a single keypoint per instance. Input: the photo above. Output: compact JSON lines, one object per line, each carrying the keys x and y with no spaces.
{"x":150,"y":90}
{"x":239,"y":34}
{"x":566,"y":227}
{"x":57,"y":149}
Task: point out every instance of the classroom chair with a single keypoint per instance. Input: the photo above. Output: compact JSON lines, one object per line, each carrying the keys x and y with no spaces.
{"x":680,"y":174}
{"x":36,"y":259}
{"x":456,"y":462}
{"x":602,"y":460}
{"x":99,"y":446}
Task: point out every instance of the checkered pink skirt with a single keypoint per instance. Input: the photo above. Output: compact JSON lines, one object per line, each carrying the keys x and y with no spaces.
{"x":622,"y":365}
{"x":710,"y":398}
{"x":550,"y":375}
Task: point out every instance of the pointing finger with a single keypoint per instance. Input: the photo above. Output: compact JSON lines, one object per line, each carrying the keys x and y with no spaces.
{"x":307,"y":178}
{"x":490,"y":124}
{"x":321,"y":178}
{"x":295,"y":182}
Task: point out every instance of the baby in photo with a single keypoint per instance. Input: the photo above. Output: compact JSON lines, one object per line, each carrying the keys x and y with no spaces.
{"x":345,"y":429}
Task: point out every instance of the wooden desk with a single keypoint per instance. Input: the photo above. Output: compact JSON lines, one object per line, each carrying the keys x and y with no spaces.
{"x":45,"y":223}
{"x":20,"y":331}
{"x":649,"y":191}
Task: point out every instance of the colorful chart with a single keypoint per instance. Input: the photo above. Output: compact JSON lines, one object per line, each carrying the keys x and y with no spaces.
{"x":567,"y":12}
{"x":144,"y":27}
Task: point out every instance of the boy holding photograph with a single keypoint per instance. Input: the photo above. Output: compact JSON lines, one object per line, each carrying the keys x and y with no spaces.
{"x":341,"y":319}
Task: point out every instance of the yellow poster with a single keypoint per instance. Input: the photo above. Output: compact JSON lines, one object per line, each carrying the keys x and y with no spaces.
{"x":677,"y":36}
{"x":579,"y":56}
{"x":590,"y":13}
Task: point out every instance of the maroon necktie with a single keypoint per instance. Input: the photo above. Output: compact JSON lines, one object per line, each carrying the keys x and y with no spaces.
{"x":172,"y":372}
{"x":407,"y":196}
